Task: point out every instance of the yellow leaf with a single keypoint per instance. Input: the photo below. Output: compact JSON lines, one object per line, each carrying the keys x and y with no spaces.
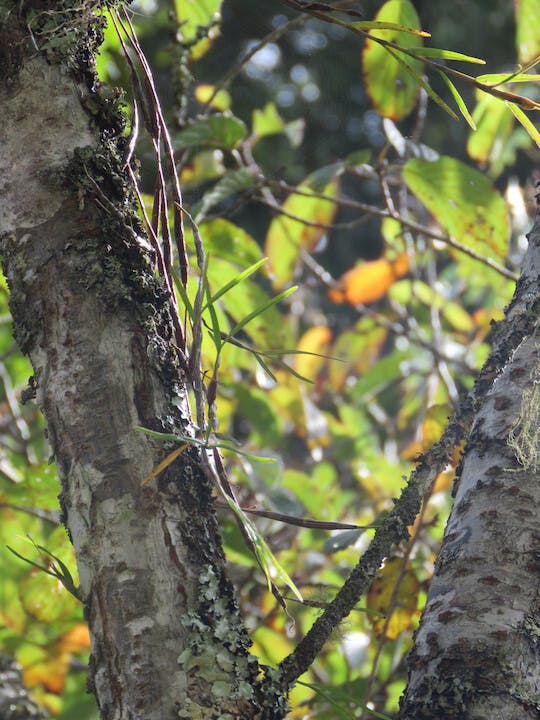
{"x":51,"y":702}
{"x":369,"y":281}
{"x":287,"y":235}
{"x":165,"y":463}
{"x":435,"y":421}
{"x":381,"y":595}
{"x":41,"y":669}
{"x":205,"y":93}
{"x":433,"y":425}
{"x":482,"y":319}
{"x":314,"y":340}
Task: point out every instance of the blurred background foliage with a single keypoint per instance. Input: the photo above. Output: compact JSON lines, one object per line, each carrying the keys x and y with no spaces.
{"x":403,"y":235}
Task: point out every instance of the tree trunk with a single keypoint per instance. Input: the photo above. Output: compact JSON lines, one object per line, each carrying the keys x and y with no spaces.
{"x":167,"y":638}
{"x":477,"y":653}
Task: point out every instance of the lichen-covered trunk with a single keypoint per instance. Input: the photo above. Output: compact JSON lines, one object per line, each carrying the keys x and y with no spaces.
{"x":167,"y":639}
{"x":477,"y":652}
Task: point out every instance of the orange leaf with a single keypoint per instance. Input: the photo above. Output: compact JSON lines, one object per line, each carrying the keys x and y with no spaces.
{"x":444,"y":480}
{"x":49,"y":672}
{"x":369,"y":281}
{"x":75,"y":640}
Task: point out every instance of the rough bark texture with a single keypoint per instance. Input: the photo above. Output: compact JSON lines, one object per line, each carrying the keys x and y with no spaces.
{"x":477,"y":651}
{"x":167,"y":639}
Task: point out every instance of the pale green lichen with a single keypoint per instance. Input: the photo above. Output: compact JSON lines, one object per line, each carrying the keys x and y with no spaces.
{"x":216,"y":652}
{"x":193,"y":711}
{"x":524,"y":436}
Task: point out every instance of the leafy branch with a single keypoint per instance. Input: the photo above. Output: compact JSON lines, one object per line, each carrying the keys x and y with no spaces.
{"x":429,"y":57}
{"x":56,"y":569}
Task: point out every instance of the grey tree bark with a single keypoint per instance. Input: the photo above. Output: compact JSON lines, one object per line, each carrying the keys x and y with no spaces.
{"x":167,"y":638}
{"x":476,"y":654}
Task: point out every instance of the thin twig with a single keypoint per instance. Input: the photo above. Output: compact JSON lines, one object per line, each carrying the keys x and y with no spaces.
{"x":20,"y":422}
{"x":312,"y":223}
{"x":237,"y":69}
{"x":406,"y":222}
{"x":50,"y":516}
{"x":169,"y":152}
{"x":155,"y":124}
{"x":395,"y":328}
{"x":313,"y":9}
{"x":392,"y":531}
{"x":507,"y":337}
{"x":302,"y":522}
{"x":393,"y":602}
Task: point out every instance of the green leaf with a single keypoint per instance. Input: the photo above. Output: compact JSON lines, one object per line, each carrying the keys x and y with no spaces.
{"x":181,"y":290}
{"x":164,"y":437}
{"x":494,"y":126}
{"x":358,"y":157}
{"x":168,"y":437}
{"x":52,"y":607}
{"x":359,"y":348}
{"x":383,"y":373}
{"x":261,"y":309}
{"x":206,"y":166}
{"x":447,"y":55}
{"x":463,"y":201}
{"x":453,"y":312}
{"x":219,"y":131}
{"x":287,"y":236}
{"x":267,"y":121}
{"x":327,"y":695}
{"x":38,"y":486}
{"x":234,"y":544}
{"x":245,"y":299}
{"x":393,"y":90}
{"x":194,"y":14}
{"x":108,"y":51}
{"x":227,"y":241}
{"x":341,"y":540}
{"x":235,"y":281}
{"x":294,"y":131}
{"x":335,"y":698}
{"x":250,"y":456}
{"x":324,"y":176}
{"x":216,"y":330}
{"x":423,"y":83}
{"x":267,"y":560}
{"x":293,"y":372}
{"x":233,"y":182}
{"x":459,"y":101}
{"x":30,"y":562}
{"x":500,"y":78}
{"x":381,"y":25}
{"x":264,"y":366}
{"x":527,"y":35}
{"x":524,"y":120}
